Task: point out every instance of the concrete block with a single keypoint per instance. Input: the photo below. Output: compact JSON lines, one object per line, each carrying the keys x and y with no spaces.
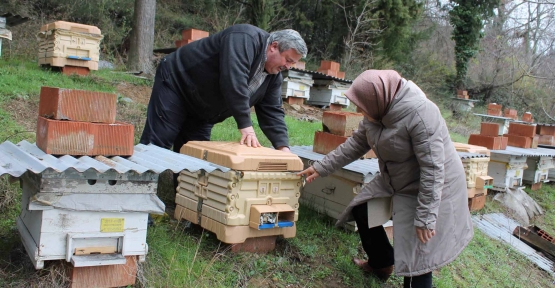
{"x":519,"y":141}
{"x":489,"y":129}
{"x":341,"y":123}
{"x":84,"y":138}
{"x":490,"y":142}
{"x":77,"y":105}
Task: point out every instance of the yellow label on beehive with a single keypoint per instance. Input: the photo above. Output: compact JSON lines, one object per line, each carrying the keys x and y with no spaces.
{"x":302,"y":87}
{"x":517,"y":173}
{"x":111,"y":225}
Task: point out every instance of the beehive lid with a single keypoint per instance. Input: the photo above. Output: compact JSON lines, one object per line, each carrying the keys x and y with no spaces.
{"x":240,"y":157}
{"x":74,"y":27}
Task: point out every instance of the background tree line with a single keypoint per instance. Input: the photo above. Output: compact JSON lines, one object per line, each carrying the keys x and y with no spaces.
{"x":499,"y":50}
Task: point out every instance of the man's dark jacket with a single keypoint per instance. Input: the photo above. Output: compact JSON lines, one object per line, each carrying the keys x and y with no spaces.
{"x":213,"y":73}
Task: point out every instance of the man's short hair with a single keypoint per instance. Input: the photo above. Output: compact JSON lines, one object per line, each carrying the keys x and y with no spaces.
{"x":288,"y":39}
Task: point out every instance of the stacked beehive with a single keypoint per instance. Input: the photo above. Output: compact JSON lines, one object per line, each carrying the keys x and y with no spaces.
{"x":477,"y":180}
{"x":489,"y":137}
{"x":72,"y":46}
{"x":546,"y":134}
{"x":494,"y":109}
{"x":331,"y":68}
{"x":190,"y":35}
{"x":338,"y":126}
{"x":78,"y":122}
{"x":256,"y":200}
{"x":522,"y":135}
{"x":296,"y":85}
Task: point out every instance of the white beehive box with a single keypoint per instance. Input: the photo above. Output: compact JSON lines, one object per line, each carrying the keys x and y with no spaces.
{"x":89,"y":218}
{"x":538,"y":169}
{"x":296,"y":84}
{"x":507,"y":170}
{"x":326,"y":92}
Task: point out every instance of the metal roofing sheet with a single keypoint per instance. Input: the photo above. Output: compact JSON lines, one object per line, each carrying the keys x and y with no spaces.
{"x":16,"y":159}
{"x":320,"y":75}
{"x":364,"y":167}
{"x":528,"y":152}
{"x":467,"y":155}
{"x":14,"y":20}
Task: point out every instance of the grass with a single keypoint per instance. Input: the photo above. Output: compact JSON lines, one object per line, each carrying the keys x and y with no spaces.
{"x":181,"y":255}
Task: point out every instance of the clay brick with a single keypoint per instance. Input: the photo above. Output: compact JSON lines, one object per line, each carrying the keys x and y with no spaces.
{"x":490,"y":142}
{"x":77,"y":105}
{"x":546,"y":140}
{"x":341,"y":123}
{"x":536,"y":186}
{"x":84,"y":138}
{"x":510,"y":113}
{"x":256,"y":245}
{"x":300,"y":65}
{"x":504,"y":143}
{"x":326,"y":142}
{"x":527,"y":117}
{"x":477,"y":202}
{"x":69,"y":70}
{"x":492,"y":112}
{"x":535,"y":141}
{"x":519,"y":141}
{"x":104,"y":276}
{"x":336,"y":107}
{"x":340,"y":74}
{"x":494,"y":106}
{"x":521,"y":130}
{"x":328,"y":72}
{"x":489,"y":129}
{"x":295,"y":100}
{"x":194,"y":34}
{"x":545,"y":130}
{"x":463,"y":97}
{"x":329,"y":65}
{"x":462,"y":92}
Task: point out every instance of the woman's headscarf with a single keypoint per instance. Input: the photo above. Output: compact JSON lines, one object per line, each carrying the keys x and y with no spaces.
{"x":373,"y":91}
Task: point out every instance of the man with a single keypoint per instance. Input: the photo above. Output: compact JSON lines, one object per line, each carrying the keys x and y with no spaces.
{"x":211,"y":79}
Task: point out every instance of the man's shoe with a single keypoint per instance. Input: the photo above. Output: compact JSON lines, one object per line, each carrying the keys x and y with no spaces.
{"x":382,"y":273}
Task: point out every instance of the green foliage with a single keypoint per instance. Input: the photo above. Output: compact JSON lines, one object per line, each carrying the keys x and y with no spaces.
{"x":467,"y":18}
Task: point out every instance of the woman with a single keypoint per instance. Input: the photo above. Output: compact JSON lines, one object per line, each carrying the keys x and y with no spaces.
{"x":419,"y":169}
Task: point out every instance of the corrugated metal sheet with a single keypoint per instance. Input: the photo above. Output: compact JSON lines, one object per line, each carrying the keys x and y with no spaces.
{"x":14,"y":20}
{"x":364,"y":167}
{"x":528,"y":152}
{"x":16,"y":159}
{"x":468,"y":155}
{"x":499,"y":227}
{"x":318,"y":75}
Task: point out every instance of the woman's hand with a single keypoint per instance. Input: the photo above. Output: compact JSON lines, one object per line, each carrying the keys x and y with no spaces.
{"x":424,"y":235}
{"x":310,"y":174}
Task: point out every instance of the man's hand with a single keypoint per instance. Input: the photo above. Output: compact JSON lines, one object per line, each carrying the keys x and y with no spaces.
{"x":284,"y":149}
{"x":310,"y":173}
{"x":424,"y":235}
{"x":248,"y":137}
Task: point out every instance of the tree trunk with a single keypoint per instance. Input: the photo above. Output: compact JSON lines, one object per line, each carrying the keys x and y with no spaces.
{"x":142,"y":37}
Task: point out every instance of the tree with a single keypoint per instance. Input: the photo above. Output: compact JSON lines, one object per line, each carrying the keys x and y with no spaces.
{"x":142,"y":37}
{"x":467,"y":18}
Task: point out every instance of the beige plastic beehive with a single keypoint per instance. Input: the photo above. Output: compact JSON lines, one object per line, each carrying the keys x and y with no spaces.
{"x":65,"y":43}
{"x":228,"y":197}
{"x":462,"y":147}
{"x":473,"y":168}
{"x":241,"y":157}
